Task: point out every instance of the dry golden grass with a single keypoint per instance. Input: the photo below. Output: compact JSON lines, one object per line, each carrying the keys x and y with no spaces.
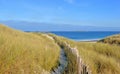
{"x":26,"y":53}
{"x":115,"y":39}
{"x":101,"y":58}
{"x":31,"y":53}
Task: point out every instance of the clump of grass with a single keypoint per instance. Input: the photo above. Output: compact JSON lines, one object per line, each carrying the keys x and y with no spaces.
{"x":115,"y":39}
{"x":27,"y":53}
{"x":100,"y":57}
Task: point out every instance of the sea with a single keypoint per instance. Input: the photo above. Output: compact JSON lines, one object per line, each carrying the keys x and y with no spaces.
{"x":86,"y":36}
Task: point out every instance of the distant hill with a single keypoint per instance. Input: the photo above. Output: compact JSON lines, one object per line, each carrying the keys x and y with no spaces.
{"x":115,"y":39}
{"x":35,"y":26}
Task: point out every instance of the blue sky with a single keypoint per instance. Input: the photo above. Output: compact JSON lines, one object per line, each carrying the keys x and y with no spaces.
{"x":76,"y":12}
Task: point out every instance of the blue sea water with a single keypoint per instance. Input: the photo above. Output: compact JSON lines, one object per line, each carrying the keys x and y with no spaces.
{"x":86,"y":36}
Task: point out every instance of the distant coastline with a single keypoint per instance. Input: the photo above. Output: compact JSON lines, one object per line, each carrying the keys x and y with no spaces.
{"x":88,"y":40}
{"x":86,"y":36}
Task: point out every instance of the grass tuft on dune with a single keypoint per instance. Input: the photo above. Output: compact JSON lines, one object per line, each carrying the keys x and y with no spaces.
{"x":27,"y":53}
{"x":115,"y":39}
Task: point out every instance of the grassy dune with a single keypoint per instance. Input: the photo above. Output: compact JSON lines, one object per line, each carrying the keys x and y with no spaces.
{"x":32,"y":53}
{"x":115,"y":39}
{"x":26,"y":53}
{"x":101,"y":58}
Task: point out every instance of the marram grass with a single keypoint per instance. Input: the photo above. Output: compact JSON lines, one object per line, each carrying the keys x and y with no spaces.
{"x":31,"y":53}
{"x":101,"y":58}
{"x":115,"y":39}
{"x":26,"y":53}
